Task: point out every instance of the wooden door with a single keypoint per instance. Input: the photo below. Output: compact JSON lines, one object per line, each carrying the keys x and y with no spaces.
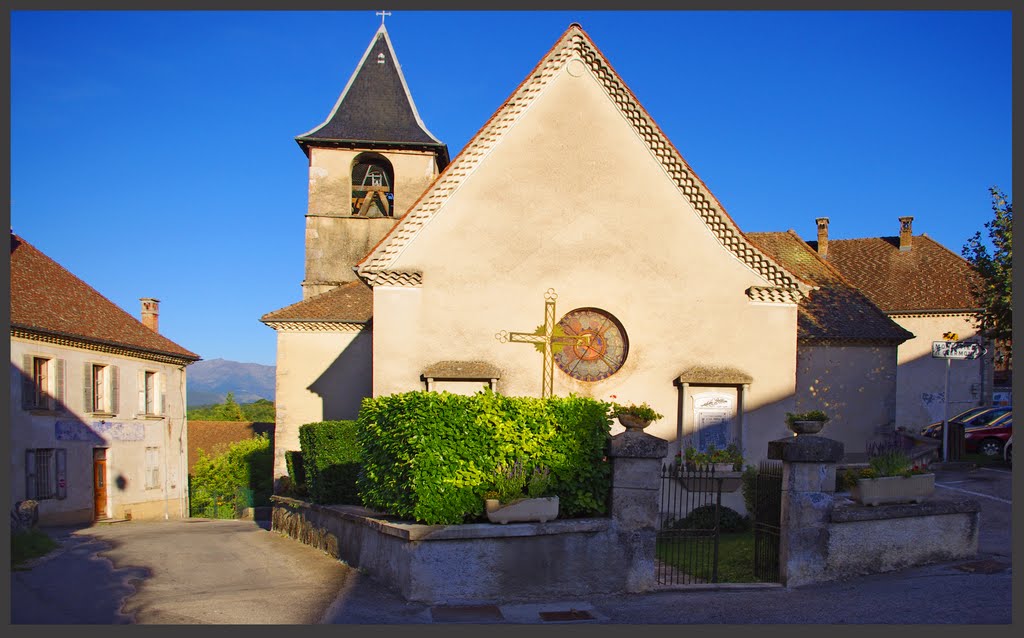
{"x":99,"y":483}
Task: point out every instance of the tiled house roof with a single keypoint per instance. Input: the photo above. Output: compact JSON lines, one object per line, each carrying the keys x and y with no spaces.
{"x":375,"y":109}
{"x":351,"y":302}
{"x":835,"y":311}
{"x":49,"y":302}
{"x":928,"y":277}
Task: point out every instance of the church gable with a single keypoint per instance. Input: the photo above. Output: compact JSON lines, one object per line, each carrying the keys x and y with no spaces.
{"x":575,"y":55}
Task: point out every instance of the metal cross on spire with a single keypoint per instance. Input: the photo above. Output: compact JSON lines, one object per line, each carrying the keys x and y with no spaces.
{"x":383,"y":14}
{"x":548,"y":339}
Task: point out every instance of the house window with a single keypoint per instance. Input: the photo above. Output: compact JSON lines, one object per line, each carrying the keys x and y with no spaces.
{"x":100,"y":387}
{"x":42,"y":386}
{"x":45,"y":472}
{"x":151,"y":393}
{"x":152,"y":468}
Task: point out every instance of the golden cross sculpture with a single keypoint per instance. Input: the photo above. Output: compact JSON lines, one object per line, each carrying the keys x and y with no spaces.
{"x":548,"y":339}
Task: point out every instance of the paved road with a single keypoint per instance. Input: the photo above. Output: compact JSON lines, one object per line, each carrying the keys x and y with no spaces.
{"x":238,"y":572}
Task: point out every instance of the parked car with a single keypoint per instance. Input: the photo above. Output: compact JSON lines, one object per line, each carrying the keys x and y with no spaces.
{"x":970,"y":418}
{"x":1007,"y":451}
{"x":990,"y":439}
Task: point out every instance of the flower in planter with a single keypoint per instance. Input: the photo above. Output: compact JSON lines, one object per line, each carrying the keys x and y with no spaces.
{"x":513,"y":482}
{"x":730,"y":454}
{"x":891,"y":463}
{"x":642,"y":412}
{"x":813,"y":415}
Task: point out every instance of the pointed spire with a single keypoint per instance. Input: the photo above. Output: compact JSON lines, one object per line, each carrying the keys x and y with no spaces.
{"x":375,"y":110}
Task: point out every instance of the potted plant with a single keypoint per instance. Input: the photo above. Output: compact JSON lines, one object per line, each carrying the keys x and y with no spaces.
{"x":723,"y":465}
{"x":806,"y":422}
{"x":634,"y":417}
{"x":890,"y":478}
{"x":519,"y":495}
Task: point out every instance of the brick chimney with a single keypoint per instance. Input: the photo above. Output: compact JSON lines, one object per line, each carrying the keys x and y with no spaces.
{"x":906,"y":233}
{"x":150,"y":312}
{"x":822,"y":236}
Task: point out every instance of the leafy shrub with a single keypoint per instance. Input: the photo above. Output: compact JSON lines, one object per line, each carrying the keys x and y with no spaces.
{"x":331,"y":459}
{"x":296,"y":471}
{"x":703,"y":517}
{"x":749,"y":487}
{"x":431,"y":456}
{"x":240,"y":476}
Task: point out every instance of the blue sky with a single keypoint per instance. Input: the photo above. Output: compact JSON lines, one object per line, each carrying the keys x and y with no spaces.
{"x":153,"y":153}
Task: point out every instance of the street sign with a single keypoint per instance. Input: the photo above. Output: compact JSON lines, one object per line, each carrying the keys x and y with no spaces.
{"x":955,"y":350}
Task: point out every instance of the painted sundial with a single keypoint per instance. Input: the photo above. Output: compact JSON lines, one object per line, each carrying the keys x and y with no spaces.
{"x":601,"y":354}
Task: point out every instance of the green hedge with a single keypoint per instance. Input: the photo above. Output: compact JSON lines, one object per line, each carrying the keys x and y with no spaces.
{"x":296,"y":472}
{"x":330,"y":461}
{"x":242,"y":475}
{"x":431,"y":456}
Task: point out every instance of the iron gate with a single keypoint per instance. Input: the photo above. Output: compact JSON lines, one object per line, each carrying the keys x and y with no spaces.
{"x":767,"y":515}
{"x":687,"y":542}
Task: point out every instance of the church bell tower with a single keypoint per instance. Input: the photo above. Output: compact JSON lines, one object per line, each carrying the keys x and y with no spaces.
{"x":368,"y":162}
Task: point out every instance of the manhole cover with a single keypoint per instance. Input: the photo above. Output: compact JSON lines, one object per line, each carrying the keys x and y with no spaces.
{"x":571,"y":614}
{"x":983,"y":567}
{"x":466,"y":613}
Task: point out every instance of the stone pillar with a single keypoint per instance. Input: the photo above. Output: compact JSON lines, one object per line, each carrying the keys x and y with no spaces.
{"x":636,"y":477}
{"x":808,"y":486}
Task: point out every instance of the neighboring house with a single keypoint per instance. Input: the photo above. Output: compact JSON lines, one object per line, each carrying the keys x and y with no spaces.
{"x":925,"y":288}
{"x":846,"y":347}
{"x":97,"y":401}
{"x":214,"y":437}
{"x":568,"y":219}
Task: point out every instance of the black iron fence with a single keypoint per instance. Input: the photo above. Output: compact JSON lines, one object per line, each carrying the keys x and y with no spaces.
{"x":767,"y":516}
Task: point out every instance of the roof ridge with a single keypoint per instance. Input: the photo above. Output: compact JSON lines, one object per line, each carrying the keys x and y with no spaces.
{"x":575,"y":43}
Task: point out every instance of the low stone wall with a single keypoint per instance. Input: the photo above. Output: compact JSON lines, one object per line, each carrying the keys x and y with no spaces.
{"x":471,"y":563}
{"x":868,"y":540}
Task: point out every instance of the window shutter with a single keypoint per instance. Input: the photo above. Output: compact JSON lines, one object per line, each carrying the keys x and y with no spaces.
{"x":142,"y":392}
{"x":59,"y":385}
{"x":30,"y":474}
{"x":28,"y":386}
{"x":61,"y":459}
{"x":115,"y":395}
{"x":161,"y":380}
{"x":87,"y":388}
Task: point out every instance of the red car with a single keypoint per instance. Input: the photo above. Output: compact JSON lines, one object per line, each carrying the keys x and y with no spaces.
{"x":990,"y":439}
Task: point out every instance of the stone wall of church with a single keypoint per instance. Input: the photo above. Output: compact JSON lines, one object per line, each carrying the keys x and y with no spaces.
{"x":921,"y":378}
{"x":854,"y":385}
{"x":335,"y":240}
{"x":572,"y":199}
{"x":321,"y":376}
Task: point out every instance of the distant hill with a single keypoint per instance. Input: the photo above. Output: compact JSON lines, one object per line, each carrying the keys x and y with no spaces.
{"x":210,"y":381}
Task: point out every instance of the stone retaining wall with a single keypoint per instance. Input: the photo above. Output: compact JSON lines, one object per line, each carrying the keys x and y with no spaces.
{"x":464,"y":563}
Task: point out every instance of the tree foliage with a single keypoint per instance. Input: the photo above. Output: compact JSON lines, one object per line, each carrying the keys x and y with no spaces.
{"x":259,"y":411}
{"x":995,"y":290}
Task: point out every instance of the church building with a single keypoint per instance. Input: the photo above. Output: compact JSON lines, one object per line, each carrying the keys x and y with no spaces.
{"x":429,"y":274}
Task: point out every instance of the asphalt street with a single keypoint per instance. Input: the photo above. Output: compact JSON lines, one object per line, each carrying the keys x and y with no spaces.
{"x":201,"y":571}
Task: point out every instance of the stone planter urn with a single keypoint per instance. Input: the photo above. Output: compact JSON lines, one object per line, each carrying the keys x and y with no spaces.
{"x":893,"y":489}
{"x":633,"y":422}
{"x":524,"y":510}
{"x":805,"y":427}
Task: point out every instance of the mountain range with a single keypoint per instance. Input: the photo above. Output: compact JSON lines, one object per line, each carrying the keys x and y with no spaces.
{"x":208,"y":382}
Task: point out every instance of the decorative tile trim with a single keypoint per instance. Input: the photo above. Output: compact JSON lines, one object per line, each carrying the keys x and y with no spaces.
{"x":95,"y":346}
{"x":920,"y":314}
{"x":316,"y":326}
{"x":396,"y":278}
{"x":774,"y":294}
{"x":575,"y":44}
